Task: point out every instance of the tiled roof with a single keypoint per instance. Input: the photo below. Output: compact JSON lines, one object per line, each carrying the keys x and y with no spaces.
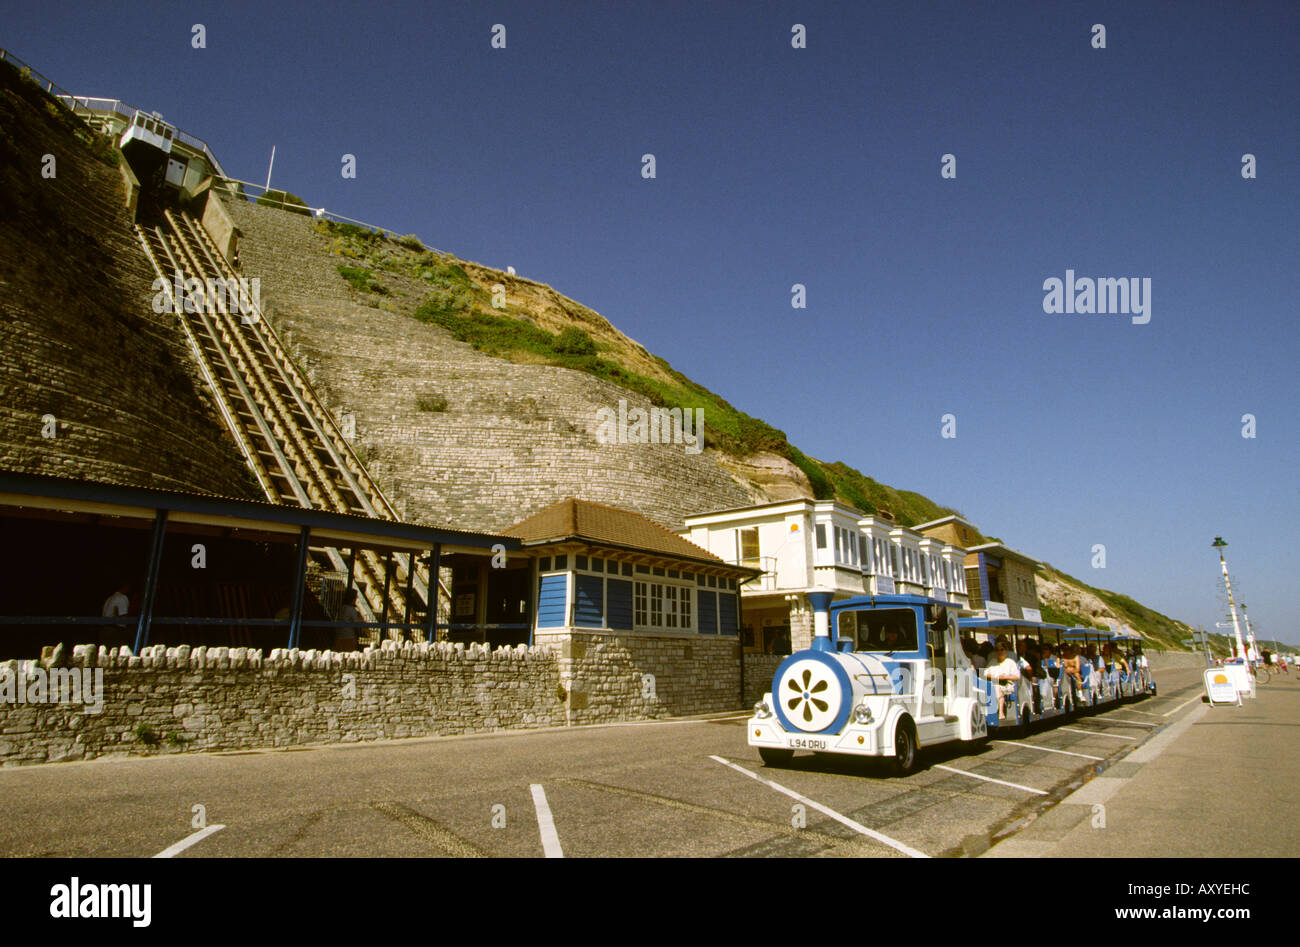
{"x":581,"y":519}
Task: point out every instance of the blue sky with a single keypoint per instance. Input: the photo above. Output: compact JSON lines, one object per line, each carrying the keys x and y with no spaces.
{"x":821,"y":166}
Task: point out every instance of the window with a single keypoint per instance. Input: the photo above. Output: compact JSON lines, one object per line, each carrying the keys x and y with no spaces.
{"x":673,"y":574}
{"x":748,"y":540}
{"x":627,"y":568}
{"x":561,"y":562}
{"x":862,"y":550}
{"x":884,"y":629}
{"x":639,"y":604}
{"x":656,"y":606}
{"x":685,"y":612}
{"x":581,"y":562}
{"x":898,"y":566}
{"x":544,"y":564}
{"x":821,"y":535}
{"x":670,"y":604}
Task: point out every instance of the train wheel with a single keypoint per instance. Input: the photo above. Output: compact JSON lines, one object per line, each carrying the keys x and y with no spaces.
{"x":905,"y":748}
{"x":775,"y":757}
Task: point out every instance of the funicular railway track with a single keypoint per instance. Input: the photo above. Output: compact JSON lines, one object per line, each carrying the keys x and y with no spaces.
{"x":291,"y":443}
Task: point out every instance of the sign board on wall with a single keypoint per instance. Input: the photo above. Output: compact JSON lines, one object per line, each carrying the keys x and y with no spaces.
{"x":996,"y":610}
{"x":884,"y":585}
{"x":1220,"y":688}
{"x":939,"y":595}
{"x":1031,"y":614}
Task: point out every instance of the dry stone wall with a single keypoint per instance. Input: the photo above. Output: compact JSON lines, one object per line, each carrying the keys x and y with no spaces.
{"x":170,"y":700}
{"x":513,"y":438}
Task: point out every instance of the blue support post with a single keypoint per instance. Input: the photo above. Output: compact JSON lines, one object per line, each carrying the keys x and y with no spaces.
{"x":299,"y":587}
{"x":151,"y":580}
{"x":435,"y":565}
{"x":388,"y":584}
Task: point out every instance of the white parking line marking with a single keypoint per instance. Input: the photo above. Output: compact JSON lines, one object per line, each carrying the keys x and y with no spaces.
{"x":990,"y":779}
{"x":1182,"y":705}
{"x":1134,"y":710}
{"x":842,"y":819}
{"x":546,"y":824}
{"x":1097,"y":733}
{"x":189,"y":840}
{"x":1048,"y":749}
{"x":1128,"y":723}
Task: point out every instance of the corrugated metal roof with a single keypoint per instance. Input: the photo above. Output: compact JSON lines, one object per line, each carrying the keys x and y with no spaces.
{"x":92,"y":491}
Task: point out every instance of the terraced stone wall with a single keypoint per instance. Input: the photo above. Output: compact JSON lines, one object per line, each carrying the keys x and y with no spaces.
{"x":512,"y":439}
{"x":93,"y":384}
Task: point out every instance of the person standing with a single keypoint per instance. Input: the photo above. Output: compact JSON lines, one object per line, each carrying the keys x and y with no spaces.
{"x":345,"y":639}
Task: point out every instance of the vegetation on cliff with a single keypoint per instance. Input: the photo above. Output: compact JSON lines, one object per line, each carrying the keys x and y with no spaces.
{"x":465,"y":307}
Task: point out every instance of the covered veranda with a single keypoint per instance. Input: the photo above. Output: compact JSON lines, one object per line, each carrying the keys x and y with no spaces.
{"x":199,"y":569}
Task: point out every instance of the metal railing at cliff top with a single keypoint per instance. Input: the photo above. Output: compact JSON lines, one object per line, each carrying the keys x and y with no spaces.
{"x":236,"y":189}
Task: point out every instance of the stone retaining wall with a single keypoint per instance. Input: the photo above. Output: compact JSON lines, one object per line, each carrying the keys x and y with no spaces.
{"x":170,"y":700}
{"x":759,"y":671}
{"x":609,"y":676}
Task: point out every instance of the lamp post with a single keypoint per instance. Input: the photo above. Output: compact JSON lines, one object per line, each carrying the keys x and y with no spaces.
{"x":1232,"y":606}
{"x":1250,"y":632}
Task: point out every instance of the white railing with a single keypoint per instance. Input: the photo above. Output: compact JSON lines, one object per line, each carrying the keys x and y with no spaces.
{"x":762,"y":583}
{"x":88,"y":104}
{"x":237,"y":189}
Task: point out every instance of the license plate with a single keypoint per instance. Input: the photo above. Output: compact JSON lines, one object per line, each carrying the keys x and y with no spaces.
{"x":805,"y":743}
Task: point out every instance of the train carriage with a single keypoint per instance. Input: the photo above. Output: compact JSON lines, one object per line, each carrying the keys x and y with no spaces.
{"x":1041,"y":692}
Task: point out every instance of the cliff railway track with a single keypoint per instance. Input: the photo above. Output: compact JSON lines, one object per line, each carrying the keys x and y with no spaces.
{"x":285,"y":433}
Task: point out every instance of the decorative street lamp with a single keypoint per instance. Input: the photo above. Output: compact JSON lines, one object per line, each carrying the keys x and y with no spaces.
{"x":1232,"y":606}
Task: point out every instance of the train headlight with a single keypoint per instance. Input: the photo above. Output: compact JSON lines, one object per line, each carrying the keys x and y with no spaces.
{"x":762,"y":711}
{"x":862,"y":715}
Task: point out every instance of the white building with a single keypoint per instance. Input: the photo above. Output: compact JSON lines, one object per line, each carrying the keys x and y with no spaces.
{"x":801,"y":545}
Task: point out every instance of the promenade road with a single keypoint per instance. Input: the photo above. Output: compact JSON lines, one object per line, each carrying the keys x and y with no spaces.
{"x":684,"y":787}
{"x":1220,"y":781}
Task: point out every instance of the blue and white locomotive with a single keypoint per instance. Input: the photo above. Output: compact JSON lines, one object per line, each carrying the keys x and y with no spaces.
{"x":888,"y":675}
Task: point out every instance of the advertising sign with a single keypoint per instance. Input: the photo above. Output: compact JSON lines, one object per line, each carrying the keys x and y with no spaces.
{"x":1220,"y":688}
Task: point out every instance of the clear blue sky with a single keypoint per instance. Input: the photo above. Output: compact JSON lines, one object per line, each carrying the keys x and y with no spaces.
{"x":821,"y":166}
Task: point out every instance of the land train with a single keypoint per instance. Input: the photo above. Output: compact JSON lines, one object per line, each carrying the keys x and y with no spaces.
{"x":888,"y":675}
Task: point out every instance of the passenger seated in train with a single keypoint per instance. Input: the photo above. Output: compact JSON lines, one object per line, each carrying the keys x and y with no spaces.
{"x":973,"y":652}
{"x":1073,"y":667}
{"x":1052,"y":668}
{"x":1031,"y":665}
{"x":1004,"y":671}
{"x":1117,"y":659}
{"x":882,"y":631}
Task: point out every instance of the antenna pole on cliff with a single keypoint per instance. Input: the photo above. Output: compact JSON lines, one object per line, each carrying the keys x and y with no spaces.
{"x":269,"y":167}
{"x":1232,"y":606}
